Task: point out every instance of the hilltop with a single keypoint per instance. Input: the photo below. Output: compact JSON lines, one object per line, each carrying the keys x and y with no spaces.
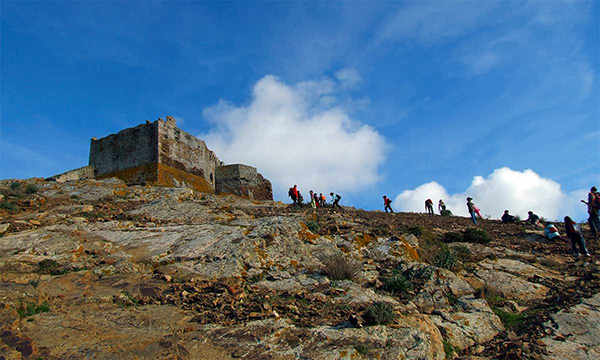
{"x":98,"y":269}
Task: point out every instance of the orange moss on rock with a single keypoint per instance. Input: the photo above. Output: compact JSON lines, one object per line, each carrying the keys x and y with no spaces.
{"x":406,"y":251}
{"x":363,"y":240}
{"x":161,"y":175}
{"x":306,"y":235}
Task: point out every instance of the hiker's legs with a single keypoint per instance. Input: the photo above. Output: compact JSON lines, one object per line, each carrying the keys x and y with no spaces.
{"x":594,"y":222}
{"x":581,"y":244}
{"x":474,"y":218}
{"x":574,"y":243}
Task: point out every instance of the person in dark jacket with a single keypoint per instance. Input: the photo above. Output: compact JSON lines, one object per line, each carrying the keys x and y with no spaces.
{"x":429,"y":206}
{"x":533,"y":219}
{"x":593,"y":205}
{"x":574,"y":234}
{"x":507,"y":218}
{"x":335,"y":200}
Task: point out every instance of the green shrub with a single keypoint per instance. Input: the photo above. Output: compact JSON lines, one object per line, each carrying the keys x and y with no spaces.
{"x":517,"y":218}
{"x":448,"y":349}
{"x":313,"y":226}
{"x":380,"y":313}
{"x":446,"y":213}
{"x":339,"y":267}
{"x":396,"y":283}
{"x":362,"y":349}
{"x":452,"y":236}
{"x":31,"y":189}
{"x":15,"y":185}
{"x":462,"y":253}
{"x":49,"y":266}
{"x":445,"y":259}
{"x":7,"y":205}
{"x":30,"y":309}
{"x":416,"y":231}
{"x":477,"y":236}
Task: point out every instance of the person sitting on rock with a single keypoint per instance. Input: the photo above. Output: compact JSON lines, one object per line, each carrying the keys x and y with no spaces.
{"x":387,"y":204}
{"x":574,"y":234}
{"x":551,"y":233}
{"x":507,"y":218}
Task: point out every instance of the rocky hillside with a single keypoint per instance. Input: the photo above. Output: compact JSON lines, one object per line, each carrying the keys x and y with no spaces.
{"x":96,"y":269}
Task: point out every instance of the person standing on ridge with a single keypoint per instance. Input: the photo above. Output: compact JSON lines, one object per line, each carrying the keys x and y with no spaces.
{"x":387,"y":204}
{"x":441,"y":206}
{"x":335,"y":199}
{"x":294,"y":194}
{"x":471,"y":208}
{"x":312,"y":199}
{"x":593,"y":205}
{"x":300,"y":199}
{"x":574,"y":234}
{"x":429,"y":206}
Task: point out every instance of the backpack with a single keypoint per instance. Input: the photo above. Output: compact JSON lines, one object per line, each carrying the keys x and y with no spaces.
{"x":290,"y":191}
{"x":596,"y":200}
{"x":552,"y":229}
{"x":576,"y":228}
{"x":338,"y":197}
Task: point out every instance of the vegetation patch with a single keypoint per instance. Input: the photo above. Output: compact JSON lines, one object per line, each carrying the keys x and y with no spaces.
{"x":416,"y":230}
{"x":7,"y":205}
{"x":474,"y":235}
{"x":453,"y":236}
{"x":448,"y":349}
{"x":313,"y":226}
{"x":15,"y":185}
{"x":30,"y":309}
{"x":511,"y":321}
{"x":49,"y":266}
{"x":380,"y":313}
{"x":446,"y":213}
{"x":31,"y":189}
{"x":446,"y":259}
{"x":396,"y":283}
{"x":362,"y":349}
{"x":340,"y":267}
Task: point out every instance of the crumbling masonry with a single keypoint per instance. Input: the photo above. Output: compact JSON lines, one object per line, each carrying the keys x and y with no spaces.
{"x":159,"y":153}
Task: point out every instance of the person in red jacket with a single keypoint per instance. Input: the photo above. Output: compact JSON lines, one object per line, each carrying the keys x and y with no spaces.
{"x":429,"y":206}
{"x":387,"y":204}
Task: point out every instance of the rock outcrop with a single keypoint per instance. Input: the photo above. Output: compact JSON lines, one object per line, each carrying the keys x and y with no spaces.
{"x":109,"y":270}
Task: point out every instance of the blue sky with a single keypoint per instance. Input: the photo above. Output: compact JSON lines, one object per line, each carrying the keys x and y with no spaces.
{"x":368,"y":98}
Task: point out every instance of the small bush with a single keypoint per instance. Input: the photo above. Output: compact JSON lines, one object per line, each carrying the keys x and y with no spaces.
{"x":445,"y":259}
{"x":362,"y":349}
{"x":313,"y":226}
{"x":511,"y":321}
{"x":15,"y":185}
{"x":477,"y":236}
{"x":452,"y":236}
{"x":416,"y":231}
{"x":380,"y":313}
{"x":396,"y":283}
{"x":462,"y":252}
{"x":446,"y":213}
{"x":30,"y":309}
{"x":339,"y":267}
{"x":7,"y":205}
{"x":31,"y":189}
{"x":49,"y":266}
{"x":448,"y":349}
{"x":517,"y":218}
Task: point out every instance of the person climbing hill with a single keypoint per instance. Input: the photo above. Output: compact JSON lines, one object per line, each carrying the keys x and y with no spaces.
{"x":533,"y":219}
{"x":551,"y":233}
{"x":574,"y":234}
{"x":441,"y":206}
{"x":335,"y":200}
{"x":507,"y":218}
{"x":322,"y":199}
{"x":429,"y":206}
{"x":387,"y":204}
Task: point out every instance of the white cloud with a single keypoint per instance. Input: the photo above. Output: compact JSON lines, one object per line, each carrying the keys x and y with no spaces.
{"x":297,"y":135}
{"x":348,"y":77}
{"x":504,"y":189}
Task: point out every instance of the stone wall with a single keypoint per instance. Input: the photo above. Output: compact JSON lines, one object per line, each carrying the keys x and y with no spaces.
{"x":82,"y":173}
{"x":180,"y":150}
{"x":243,"y":180}
{"x":129,"y":148}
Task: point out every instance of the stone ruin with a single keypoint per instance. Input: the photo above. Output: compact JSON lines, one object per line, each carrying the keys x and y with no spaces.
{"x":158,"y":153}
